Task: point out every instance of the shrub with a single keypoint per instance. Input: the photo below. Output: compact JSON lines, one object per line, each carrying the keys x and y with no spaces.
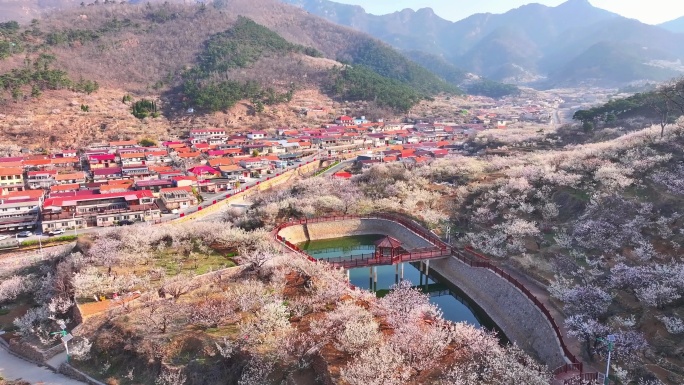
{"x":63,"y":238}
{"x":143,"y":108}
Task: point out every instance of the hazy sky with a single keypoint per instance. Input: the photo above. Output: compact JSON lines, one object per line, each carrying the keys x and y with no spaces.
{"x":648,"y":11}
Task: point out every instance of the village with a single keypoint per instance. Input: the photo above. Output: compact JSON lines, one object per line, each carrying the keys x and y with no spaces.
{"x":129,"y":181}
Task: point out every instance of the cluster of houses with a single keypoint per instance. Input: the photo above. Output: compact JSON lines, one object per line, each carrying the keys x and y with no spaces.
{"x":500,"y":113}
{"x":107,"y":184}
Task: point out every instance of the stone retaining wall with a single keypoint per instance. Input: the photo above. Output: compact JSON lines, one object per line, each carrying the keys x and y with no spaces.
{"x":5,"y":345}
{"x":350,"y":227}
{"x":520,"y":320}
{"x":33,"y":353}
{"x":76,"y":374}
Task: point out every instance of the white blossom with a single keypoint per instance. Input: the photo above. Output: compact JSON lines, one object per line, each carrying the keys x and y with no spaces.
{"x":673,"y":325}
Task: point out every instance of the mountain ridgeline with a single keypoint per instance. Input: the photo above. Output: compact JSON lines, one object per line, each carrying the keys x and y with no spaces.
{"x":207,"y":86}
{"x":209,"y":57}
{"x":375,"y":73}
{"x":570,"y":44}
{"x":676,"y":25}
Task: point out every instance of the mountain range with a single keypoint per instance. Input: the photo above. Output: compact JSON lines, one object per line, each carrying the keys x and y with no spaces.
{"x":572,"y":43}
{"x":676,"y":25}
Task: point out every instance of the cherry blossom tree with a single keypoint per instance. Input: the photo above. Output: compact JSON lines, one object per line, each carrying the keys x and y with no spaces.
{"x":160,"y":314}
{"x":210,"y":313}
{"x":256,"y":259}
{"x":378,"y":365}
{"x":500,"y":366}
{"x":270,"y":326}
{"x":673,"y":325}
{"x":14,"y":286}
{"x":351,"y":325}
{"x":590,"y":301}
{"x":90,"y":281}
{"x":177,"y":285}
{"x":252,"y":295}
{"x":303,"y":347}
{"x":171,"y":377}
{"x":80,"y":349}
{"x":257,"y":371}
{"x":672,"y":180}
{"x":586,"y":330}
{"x":421,"y":344}
{"x":32,"y":320}
{"x":105,"y":250}
{"x":405,"y":304}
{"x":655,"y":285}
{"x":658,"y":294}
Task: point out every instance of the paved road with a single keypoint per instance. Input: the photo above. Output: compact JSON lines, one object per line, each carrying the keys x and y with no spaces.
{"x":13,"y":368}
{"x":244,"y":199}
{"x":338,"y":167}
{"x":251,"y":182}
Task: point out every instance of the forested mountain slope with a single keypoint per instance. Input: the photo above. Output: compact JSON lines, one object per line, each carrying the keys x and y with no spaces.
{"x":161,"y":46}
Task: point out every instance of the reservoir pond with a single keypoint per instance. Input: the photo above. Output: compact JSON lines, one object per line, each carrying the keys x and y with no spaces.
{"x":455,"y":305}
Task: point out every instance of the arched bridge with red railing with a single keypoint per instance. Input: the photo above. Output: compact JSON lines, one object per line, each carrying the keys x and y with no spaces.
{"x":438,"y":250}
{"x":377,"y":259}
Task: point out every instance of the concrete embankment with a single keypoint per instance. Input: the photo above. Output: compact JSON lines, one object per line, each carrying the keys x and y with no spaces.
{"x":350,"y":227}
{"x":520,"y":320}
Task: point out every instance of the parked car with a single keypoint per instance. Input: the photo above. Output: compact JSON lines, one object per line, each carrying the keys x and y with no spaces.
{"x":25,"y":234}
{"x":125,"y":222}
{"x":56,"y":232}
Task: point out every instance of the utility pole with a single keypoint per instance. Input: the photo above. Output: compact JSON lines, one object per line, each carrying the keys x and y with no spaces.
{"x":610,"y":340}
{"x":64,"y":335}
{"x":75,"y":225}
{"x":40,"y":243}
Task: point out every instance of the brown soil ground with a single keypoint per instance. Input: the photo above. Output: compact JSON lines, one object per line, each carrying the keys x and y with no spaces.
{"x":92,"y":308}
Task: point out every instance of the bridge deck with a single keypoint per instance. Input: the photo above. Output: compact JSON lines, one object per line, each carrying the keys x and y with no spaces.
{"x":367,"y":260}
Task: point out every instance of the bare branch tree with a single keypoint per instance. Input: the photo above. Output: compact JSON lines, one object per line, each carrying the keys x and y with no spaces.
{"x":176,"y":286}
